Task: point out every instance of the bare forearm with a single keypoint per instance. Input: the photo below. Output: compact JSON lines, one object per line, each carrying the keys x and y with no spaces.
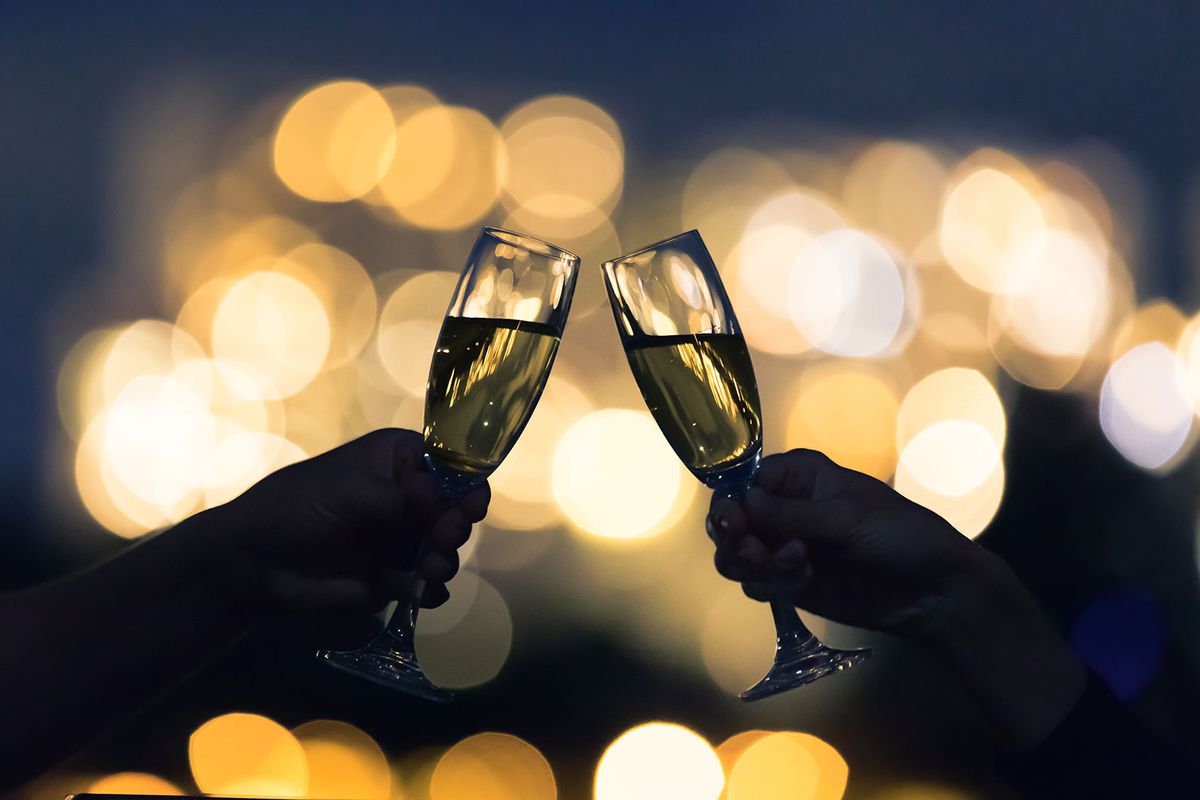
{"x":90,"y":649}
{"x":994,"y":636}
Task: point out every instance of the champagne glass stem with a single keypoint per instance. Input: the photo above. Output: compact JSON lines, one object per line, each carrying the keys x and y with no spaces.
{"x":787,"y":619}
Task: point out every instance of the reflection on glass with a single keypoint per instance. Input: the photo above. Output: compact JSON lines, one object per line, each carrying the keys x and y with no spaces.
{"x":490,"y":364}
{"x":690,"y":361}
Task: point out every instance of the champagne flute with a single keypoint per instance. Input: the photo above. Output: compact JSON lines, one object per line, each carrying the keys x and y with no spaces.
{"x":687,"y":353}
{"x":491,"y":362}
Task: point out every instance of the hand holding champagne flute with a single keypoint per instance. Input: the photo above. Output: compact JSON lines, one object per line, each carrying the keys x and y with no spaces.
{"x":691,"y":363}
{"x":491,"y":362}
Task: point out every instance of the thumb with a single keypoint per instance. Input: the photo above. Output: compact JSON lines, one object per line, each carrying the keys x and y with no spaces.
{"x":779,"y":518}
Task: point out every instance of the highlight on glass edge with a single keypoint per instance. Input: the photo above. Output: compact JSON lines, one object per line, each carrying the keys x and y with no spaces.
{"x":690,"y":361}
{"x":491,"y":362}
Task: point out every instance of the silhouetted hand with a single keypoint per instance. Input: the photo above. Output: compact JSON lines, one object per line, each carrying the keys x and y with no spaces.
{"x":343,"y":529}
{"x":847,"y":546}
{"x":852,"y":549}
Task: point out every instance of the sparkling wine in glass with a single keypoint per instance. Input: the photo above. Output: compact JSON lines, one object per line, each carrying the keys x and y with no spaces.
{"x":491,"y":362}
{"x":690,"y":361}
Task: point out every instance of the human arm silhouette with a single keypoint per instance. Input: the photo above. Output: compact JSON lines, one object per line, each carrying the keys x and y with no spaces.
{"x":853,"y":550}
{"x":336,"y":532}
{"x":850,"y":548}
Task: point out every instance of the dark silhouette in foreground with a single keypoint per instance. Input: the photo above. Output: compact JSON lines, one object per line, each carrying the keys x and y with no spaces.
{"x":336,"y":532}
{"x":853,"y":550}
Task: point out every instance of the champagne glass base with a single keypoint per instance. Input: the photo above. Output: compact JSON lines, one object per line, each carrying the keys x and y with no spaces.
{"x":801,"y":659}
{"x":388,"y":668}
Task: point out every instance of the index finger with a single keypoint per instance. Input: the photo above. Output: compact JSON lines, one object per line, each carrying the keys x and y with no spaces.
{"x":796,"y":474}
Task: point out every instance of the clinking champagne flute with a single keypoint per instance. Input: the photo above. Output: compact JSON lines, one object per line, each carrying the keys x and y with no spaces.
{"x":687,"y":353}
{"x":491,"y":362}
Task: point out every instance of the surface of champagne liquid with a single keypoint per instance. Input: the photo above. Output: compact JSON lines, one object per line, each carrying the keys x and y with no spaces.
{"x":701,"y":390}
{"x":484,"y":381}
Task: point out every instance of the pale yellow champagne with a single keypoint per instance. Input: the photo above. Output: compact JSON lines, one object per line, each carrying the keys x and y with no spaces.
{"x":485,"y":379}
{"x":701,"y":390}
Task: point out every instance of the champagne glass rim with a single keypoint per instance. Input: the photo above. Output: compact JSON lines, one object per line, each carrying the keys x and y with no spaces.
{"x":655,"y":246}
{"x":531,"y":243}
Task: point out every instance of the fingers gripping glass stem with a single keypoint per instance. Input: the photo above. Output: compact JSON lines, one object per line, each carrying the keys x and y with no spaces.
{"x":491,"y":362}
{"x":687,"y":353}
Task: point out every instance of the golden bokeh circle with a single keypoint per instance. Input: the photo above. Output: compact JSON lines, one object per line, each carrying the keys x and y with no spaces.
{"x":498,"y":766}
{"x":247,"y":755}
{"x":847,"y":411}
{"x":659,"y":761}
{"x":335,"y":142}
{"x":447,"y":170}
{"x":344,"y":762}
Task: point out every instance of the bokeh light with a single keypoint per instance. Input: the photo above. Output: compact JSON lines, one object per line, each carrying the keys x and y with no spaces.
{"x":344,"y":762}
{"x":134,"y":783}
{"x":788,"y":765}
{"x":737,"y":641}
{"x":968,"y":501}
{"x":848,"y":412}
{"x":614,"y":475}
{"x":448,"y":168}
{"x":1146,"y":410}
{"x":992,"y":228}
{"x":344,"y":290}
{"x":1187,"y":349}
{"x":522,"y":492}
{"x":1153,"y":321}
{"x":498,"y":766}
{"x":473,"y":649}
{"x":275,"y":331}
{"x":565,"y":164}
{"x":724,"y":191}
{"x":408,"y":328}
{"x":896,"y":188}
{"x":764,"y":259}
{"x":659,"y":761}
{"x":1063,"y":307}
{"x":846,"y":294}
{"x":335,"y":141}
{"x":955,"y":393}
{"x":247,"y":754}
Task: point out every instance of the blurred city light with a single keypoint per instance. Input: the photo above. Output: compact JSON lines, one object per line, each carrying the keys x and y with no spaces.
{"x":992,"y":229}
{"x":954,"y":393}
{"x":846,"y":294}
{"x":472,"y":649}
{"x":134,"y":783}
{"x":497,"y":766}
{"x":659,"y":761}
{"x":954,"y":468}
{"x":275,"y":331}
{"x":565,"y":165}
{"x":788,"y":765}
{"x":344,"y":763}
{"x":522,"y":493}
{"x":896,"y":187}
{"x":737,"y":641}
{"x":848,"y":412}
{"x":247,"y":754}
{"x":335,"y":142}
{"x":1146,"y":410}
{"x":614,"y":475}
{"x":448,"y":168}
{"x":408,"y":328}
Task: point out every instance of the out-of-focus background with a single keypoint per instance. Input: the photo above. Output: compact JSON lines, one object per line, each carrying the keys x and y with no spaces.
{"x":960,"y":239}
